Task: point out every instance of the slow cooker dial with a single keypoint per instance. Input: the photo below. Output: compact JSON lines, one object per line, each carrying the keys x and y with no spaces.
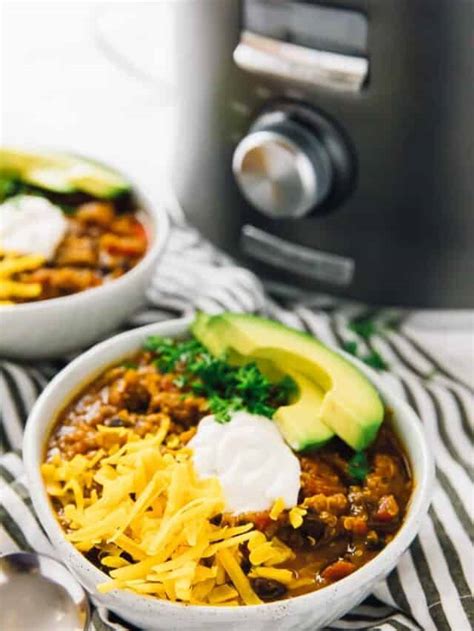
{"x":282,"y":168}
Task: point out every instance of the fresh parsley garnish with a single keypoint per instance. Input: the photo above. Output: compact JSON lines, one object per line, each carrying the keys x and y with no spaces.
{"x":8,"y":187}
{"x":351,"y":347}
{"x":373,"y":359}
{"x":223,"y":408}
{"x":130,"y":365}
{"x":365,"y":328}
{"x":358,"y":466}
{"x":170,"y":352}
{"x":227,"y":388}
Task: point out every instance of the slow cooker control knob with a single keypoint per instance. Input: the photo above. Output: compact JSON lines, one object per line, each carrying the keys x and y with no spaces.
{"x":282,"y":168}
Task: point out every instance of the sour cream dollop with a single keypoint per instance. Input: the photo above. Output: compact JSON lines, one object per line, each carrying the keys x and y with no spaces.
{"x":31,"y":225}
{"x":251,"y":460}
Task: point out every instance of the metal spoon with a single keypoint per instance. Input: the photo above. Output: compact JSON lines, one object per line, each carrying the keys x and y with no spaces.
{"x":38,"y":593}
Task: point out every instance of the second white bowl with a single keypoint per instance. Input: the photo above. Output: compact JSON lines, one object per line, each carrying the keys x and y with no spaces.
{"x":50,"y":328}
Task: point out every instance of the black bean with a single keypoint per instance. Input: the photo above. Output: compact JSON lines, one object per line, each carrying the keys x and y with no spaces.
{"x":116,"y":422}
{"x":93,"y":555}
{"x":312,"y":527}
{"x":137,"y":399}
{"x":293,"y":538}
{"x":216,"y":520}
{"x":268,"y":589}
{"x":374,"y":541}
{"x":208,"y":561}
{"x":245,"y":565}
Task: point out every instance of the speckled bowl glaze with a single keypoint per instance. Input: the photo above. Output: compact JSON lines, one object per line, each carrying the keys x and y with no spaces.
{"x":310,"y":611}
{"x":51,"y":328}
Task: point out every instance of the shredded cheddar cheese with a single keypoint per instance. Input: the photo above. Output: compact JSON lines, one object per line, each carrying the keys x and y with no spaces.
{"x":12,"y":263}
{"x":277,"y":574}
{"x":277,"y":508}
{"x":139,"y":502}
{"x":296,"y":516}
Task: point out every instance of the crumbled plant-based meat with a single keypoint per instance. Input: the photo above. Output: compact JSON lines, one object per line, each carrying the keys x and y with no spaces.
{"x":101,"y":244}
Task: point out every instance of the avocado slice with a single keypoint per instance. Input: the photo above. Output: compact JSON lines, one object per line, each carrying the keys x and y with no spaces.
{"x":62,"y":173}
{"x":299,"y":421}
{"x":351,"y":407}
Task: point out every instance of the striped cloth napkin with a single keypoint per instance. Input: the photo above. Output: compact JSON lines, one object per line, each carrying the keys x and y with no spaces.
{"x":430,"y":589}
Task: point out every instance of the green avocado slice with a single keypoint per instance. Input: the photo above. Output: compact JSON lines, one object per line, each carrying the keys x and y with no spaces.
{"x":62,"y":173}
{"x":351,"y":407}
{"x":299,"y":421}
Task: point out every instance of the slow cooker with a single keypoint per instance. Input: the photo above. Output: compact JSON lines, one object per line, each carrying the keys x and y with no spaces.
{"x":330,"y":144}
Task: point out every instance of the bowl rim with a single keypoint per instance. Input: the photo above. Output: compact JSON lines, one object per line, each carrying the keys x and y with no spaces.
{"x":157,"y":231}
{"x":423,"y":471}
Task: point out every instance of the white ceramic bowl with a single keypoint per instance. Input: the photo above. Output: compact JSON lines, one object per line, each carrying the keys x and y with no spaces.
{"x":310,"y":611}
{"x":50,"y":328}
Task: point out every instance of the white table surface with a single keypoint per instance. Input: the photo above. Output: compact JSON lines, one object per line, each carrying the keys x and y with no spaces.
{"x":60,"y":89}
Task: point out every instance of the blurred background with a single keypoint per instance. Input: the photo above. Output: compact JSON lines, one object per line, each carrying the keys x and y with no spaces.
{"x":65,"y":85}
{"x":177,"y":93}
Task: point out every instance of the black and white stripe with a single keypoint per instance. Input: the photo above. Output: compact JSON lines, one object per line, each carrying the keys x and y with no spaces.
{"x":432,"y":586}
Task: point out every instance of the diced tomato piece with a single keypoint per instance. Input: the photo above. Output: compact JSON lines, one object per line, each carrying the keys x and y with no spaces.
{"x":139,"y":231}
{"x":338,"y":570}
{"x":387,"y":509}
{"x":262,"y":521}
{"x":125,"y":246}
{"x":360,"y":527}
